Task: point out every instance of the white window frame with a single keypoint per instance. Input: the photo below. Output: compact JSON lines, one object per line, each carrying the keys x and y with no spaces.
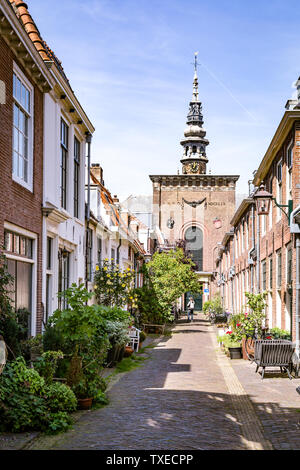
{"x":33,"y":261}
{"x":28,"y":185}
{"x":279,"y":189}
{"x":289,"y":172}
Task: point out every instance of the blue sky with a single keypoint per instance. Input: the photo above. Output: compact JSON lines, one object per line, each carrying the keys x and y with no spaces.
{"x":129,"y":63}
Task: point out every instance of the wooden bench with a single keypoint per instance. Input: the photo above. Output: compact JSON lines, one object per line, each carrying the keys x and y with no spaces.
{"x":273,"y":353}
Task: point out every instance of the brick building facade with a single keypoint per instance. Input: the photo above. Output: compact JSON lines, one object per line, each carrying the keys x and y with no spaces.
{"x":25,"y":79}
{"x":261,"y":248}
{"x":194,"y":208}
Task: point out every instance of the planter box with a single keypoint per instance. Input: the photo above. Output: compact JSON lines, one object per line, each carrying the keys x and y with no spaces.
{"x":84,"y":403}
{"x":112,"y":356}
{"x":235,"y":353}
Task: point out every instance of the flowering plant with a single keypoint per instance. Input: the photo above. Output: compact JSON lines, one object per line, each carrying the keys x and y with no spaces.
{"x":253,"y":321}
{"x":114,"y":286}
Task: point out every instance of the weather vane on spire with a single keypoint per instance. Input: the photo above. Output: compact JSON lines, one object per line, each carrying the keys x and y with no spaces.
{"x":196,"y":62}
{"x":195,"y":87}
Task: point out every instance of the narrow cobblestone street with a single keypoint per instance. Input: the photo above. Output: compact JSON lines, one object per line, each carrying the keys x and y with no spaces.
{"x":187,"y":396}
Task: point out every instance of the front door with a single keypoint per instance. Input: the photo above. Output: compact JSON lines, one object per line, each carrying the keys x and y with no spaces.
{"x":197,"y":298}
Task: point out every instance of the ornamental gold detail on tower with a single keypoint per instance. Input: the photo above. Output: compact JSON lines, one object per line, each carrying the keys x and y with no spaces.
{"x":194,"y":142}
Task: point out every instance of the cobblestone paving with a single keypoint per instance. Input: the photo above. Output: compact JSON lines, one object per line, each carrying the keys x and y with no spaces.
{"x":188,"y":395}
{"x":276,"y":403}
{"x":177,"y":400}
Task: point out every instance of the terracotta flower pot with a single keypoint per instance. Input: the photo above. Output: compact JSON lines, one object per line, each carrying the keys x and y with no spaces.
{"x":84,"y":403}
{"x":128,"y":351}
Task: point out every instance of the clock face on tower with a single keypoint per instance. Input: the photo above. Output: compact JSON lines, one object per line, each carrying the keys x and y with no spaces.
{"x":194,"y":167}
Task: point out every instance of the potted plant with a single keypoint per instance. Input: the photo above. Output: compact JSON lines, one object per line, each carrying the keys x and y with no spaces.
{"x":233,"y":344}
{"x":143,"y":336}
{"x":128,"y":351}
{"x":35,"y":345}
{"x":85,"y":391}
{"x":118,"y":338}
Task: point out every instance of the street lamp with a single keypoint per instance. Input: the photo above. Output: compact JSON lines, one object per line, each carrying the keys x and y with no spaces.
{"x":263,"y":199}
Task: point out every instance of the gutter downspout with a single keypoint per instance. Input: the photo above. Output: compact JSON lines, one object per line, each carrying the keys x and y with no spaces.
{"x":253,"y":246}
{"x":233,"y":276}
{"x":294,"y":228}
{"x":258,"y":255}
{"x":159,"y":207}
{"x":88,"y":140}
{"x":118,"y":251}
{"x":297,"y":296}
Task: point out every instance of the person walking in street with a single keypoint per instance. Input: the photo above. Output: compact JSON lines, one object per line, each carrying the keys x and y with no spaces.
{"x":191,"y":306}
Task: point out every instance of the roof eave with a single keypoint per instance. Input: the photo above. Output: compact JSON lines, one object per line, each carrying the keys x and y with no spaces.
{"x":240,"y":210}
{"x":73,"y":101}
{"x":24,"y":48}
{"x":288,"y":119}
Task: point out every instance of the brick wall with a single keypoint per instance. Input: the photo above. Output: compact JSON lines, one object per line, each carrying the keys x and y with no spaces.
{"x":18,"y":205}
{"x":274,"y":239}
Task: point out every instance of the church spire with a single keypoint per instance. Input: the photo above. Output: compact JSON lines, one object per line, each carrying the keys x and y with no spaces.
{"x":194,"y":143}
{"x":195,"y":87}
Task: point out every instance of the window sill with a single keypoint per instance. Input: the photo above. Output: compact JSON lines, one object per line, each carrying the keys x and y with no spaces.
{"x":22,"y":183}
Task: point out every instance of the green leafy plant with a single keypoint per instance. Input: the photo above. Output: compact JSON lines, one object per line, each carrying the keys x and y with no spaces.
{"x":58,"y":422}
{"x":143,"y":336}
{"x":13,"y":324}
{"x":27,"y":377}
{"x":278,"y":333}
{"x":26,"y":402}
{"x":114,"y":286}
{"x":253,"y":321}
{"x":230,"y":340}
{"x":47,"y":364}
{"x":170,"y":276}
{"x":87,"y":387}
{"x":207,"y":306}
{"x":117,"y":333}
{"x":214,"y":305}
{"x":149,"y":308}
{"x":60,"y":397}
{"x":100,"y":399}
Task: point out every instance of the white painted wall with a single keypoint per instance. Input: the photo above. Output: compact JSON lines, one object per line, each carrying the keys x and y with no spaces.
{"x":71,"y":233}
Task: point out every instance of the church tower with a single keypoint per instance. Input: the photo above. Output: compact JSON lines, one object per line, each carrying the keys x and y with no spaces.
{"x":194,"y":209}
{"x":194,"y":144}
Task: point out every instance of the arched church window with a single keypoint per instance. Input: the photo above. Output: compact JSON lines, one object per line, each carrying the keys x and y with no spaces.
{"x":186,"y":150}
{"x":194,"y":149}
{"x":194,"y":245}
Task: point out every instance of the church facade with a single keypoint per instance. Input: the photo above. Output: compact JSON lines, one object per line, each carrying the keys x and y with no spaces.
{"x":193,"y":209}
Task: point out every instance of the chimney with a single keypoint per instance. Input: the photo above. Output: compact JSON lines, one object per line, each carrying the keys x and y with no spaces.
{"x":97,"y":172}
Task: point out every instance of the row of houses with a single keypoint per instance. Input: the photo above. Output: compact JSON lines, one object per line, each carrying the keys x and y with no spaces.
{"x":260,"y":252}
{"x":57,"y":218}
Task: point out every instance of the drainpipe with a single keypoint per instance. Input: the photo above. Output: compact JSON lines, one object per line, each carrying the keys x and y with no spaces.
{"x":118,"y":251}
{"x":295,"y":229}
{"x":88,"y":140}
{"x":297,"y":294}
{"x":159,"y":207}
{"x":233,"y":275}
{"x":258,"y":255}
{"x":253,"y":246}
